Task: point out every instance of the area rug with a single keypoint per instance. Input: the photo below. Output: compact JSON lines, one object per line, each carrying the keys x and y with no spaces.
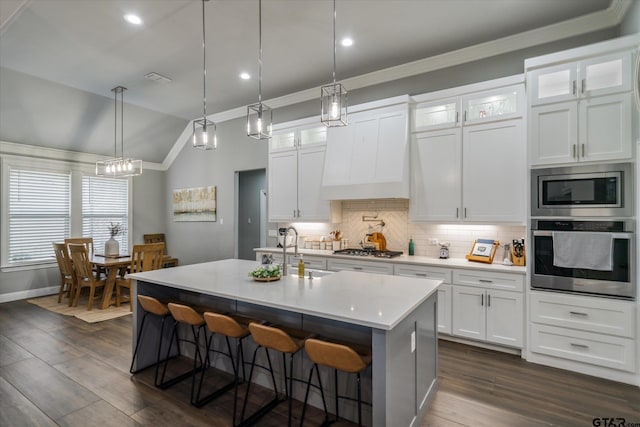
{"x":95,"y":315}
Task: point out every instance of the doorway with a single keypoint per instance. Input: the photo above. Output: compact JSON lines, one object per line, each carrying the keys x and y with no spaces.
{"x":252,"y":212}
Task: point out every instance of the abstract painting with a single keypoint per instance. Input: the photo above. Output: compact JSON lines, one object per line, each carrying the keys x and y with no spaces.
{"x":194,"y":204}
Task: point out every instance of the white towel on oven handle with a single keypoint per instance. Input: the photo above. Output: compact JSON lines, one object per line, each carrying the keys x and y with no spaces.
{"x":593,"y":251}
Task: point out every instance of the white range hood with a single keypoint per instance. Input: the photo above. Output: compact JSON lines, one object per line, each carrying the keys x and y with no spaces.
{"x":369,"y":158}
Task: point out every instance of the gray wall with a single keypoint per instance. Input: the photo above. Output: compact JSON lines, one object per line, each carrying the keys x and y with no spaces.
{"x":194,"y":242}
{"x":148,"y":217}
{"x":631,"y":22}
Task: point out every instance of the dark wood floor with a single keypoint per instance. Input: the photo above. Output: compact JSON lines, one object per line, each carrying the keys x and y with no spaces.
{"x":57,"y":370}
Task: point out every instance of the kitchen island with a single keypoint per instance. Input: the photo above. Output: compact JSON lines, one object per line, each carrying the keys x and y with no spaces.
{"x":395,"y":315}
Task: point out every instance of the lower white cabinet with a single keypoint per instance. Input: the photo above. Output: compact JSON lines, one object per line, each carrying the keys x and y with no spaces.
{"x":364,"y":266}
{"x":444,"y":291}
{"x":313,"y":262}
{"x":586,"y":330}
{"x":482,"y":313}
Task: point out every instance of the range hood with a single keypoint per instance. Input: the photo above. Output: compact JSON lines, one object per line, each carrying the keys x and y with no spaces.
{"x":369,"y":158}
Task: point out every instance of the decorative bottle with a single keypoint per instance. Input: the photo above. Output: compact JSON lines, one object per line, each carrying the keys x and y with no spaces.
{"x":411,"y":247}
{"x":301,"y":267}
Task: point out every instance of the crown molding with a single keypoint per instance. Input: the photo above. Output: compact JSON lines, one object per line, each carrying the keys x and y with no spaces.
{"x":596,"y":21}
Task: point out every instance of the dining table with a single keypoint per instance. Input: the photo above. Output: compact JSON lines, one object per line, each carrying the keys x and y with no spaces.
{"x":112,"y":265}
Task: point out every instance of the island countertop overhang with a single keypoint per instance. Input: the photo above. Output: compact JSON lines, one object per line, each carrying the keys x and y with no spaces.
{"x":371,"y":300}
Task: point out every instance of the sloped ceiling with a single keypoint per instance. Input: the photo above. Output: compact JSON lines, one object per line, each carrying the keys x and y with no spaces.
{"x":59,"y":59}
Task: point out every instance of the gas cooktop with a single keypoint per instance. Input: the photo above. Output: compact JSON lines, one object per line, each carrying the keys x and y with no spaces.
{"x":368,"y":252}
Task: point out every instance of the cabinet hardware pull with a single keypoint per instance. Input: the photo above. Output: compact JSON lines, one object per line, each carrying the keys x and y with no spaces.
{"x":357,"y":268}
{"x":298,"y":213}
{"x":572,"y":344}
{"x":457,"y":116}
{"x":457,"y":212}
{"x":574,"y":87}
{"x":577,"y":313}
{"x":482,"y":299}
{"x":574,"y":151}
{"x":488,"y":300}
{"x":294,"y":213}
{"x":582,"y":150}
{"x":465,"y":212}
{"x":421,"y":274}
{"x":583,"y":85}
{"x":485,"y":281}
{"x":465,"y":115}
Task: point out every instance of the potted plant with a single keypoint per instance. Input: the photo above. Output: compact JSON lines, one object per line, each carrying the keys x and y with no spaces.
{"x":111,"y":246}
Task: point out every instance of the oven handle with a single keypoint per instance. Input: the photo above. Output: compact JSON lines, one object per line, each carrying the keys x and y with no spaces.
{"x":549,"y":233}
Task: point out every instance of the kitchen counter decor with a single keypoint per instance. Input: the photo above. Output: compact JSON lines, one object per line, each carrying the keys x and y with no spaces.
{"x":266,"y":273}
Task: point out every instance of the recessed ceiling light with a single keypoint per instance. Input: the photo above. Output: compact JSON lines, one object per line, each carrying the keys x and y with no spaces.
{"x":245,"y":76}
{"x":347,"y":42}
{"x":133,"y":19}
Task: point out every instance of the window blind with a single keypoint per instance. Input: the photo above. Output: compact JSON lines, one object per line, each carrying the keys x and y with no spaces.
{"x":39,"y":213}
{"x":105,"y":201}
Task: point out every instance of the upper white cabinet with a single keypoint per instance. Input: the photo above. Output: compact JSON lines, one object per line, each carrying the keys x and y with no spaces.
{"x":369,"y":158}
{"x":296,"y":162}
{"x":602,"y":75}
{"x":581,"y":110}
{"x":454,"y":162}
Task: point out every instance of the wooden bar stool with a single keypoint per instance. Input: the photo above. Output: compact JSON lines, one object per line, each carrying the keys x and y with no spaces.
{"x":183,"y":314}
{"x":228,"y":326}
{"x":152,"y":306}
{"x":286,"y":341}
{"x":340,"y":357}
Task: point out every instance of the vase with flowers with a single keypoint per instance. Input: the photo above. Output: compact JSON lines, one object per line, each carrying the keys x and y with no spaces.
{"x":111,"y":246}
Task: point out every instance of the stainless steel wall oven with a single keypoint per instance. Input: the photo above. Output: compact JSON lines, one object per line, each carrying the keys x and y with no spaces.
{"x":600,"y":262}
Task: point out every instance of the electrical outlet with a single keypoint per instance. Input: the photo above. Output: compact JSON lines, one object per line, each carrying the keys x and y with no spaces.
{"x":433,"y":242}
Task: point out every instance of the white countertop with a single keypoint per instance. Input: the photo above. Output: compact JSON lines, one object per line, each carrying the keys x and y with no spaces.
{"x":406,"y":259}
{"x":372,"y":300}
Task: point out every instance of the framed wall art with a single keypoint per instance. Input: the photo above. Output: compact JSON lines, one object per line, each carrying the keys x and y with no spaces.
{"x":194,"y":204}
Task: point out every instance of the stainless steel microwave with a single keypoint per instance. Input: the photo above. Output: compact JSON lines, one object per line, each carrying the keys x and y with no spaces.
{"x":583,"y":191}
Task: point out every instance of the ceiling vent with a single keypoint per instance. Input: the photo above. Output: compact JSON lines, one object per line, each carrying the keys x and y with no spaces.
{"x":158,"y":78}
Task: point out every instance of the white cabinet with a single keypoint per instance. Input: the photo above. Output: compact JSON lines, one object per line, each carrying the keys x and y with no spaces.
{"x":587,"y":330}
{"x":601,"y":75}
{"x":296,"y":162}
{"x":444,"y":290}
{"x":581,"y":111}
{"x":364,"y":266}
{"x":310,"y":261}
{"x":493,"y":159}
{"x":369,"y":158}
{"x":488,"y":306}
{"x":454,"y":168}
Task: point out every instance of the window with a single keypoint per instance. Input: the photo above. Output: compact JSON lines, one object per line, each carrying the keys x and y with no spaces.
{"x":105,"y":201}
{"x":39,"y":214}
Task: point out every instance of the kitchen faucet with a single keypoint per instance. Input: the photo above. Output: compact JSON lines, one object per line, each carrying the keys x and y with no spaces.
{"x":284,"y":232}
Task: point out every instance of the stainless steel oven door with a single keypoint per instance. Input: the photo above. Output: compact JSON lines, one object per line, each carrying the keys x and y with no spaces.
{"x":619,"y":283}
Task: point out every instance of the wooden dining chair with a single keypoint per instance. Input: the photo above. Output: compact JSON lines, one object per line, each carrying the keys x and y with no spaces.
{"x":67,"y":275}
{"x":84,"y":274}
{"x":159,"y":238}
{"x":143,"y":258}
{"x":88,"y":242}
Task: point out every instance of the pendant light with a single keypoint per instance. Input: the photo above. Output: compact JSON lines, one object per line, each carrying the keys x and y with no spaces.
{"x":259,"y":115}
{"x":119,"y":167}
{"x":204,"y":130}
{"x":333,"y":97}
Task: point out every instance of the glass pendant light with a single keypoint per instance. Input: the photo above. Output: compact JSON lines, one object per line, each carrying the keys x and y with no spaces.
{"x":204,"y":130}
{"x":259,"y":115}
{"x":333,"y":97}
{"x":118,"y":167}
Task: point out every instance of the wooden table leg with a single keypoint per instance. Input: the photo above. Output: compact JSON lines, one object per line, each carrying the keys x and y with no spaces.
{"x":109,"y":285}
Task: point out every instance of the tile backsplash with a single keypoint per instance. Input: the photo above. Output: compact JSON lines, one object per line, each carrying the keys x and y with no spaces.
{"x":398,"y":229}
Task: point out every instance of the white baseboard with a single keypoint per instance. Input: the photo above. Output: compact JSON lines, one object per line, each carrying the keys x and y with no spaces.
{"x":31,"y":293}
